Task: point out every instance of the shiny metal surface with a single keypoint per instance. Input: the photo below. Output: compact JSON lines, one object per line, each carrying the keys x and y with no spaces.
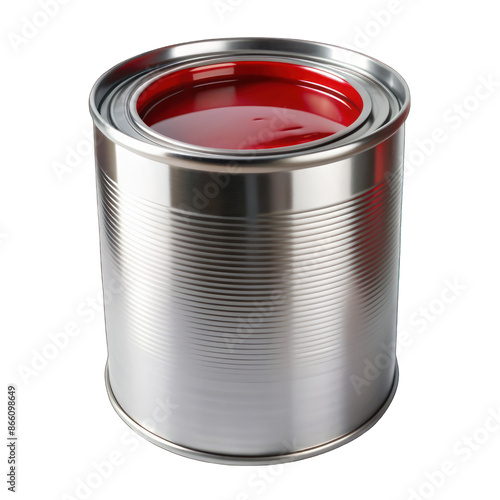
{"x":251,"y":298}
{"x":291,"y":455}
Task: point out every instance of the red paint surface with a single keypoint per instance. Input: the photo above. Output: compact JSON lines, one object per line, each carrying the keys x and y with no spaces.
{"x":249,"y":105}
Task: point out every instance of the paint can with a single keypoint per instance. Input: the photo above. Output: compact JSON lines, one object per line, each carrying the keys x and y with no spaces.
{"x":249,"y":198}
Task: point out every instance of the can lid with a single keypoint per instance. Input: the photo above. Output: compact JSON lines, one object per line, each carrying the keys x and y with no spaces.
{"x":242,"y":105}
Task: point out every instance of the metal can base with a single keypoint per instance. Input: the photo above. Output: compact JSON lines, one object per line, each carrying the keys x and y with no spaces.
{"x":250,"y":460}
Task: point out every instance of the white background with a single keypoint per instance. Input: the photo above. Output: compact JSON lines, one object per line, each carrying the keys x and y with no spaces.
{"x":443,"y":413}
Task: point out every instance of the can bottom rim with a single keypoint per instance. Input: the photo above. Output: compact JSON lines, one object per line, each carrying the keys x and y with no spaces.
{"x":250,"y":460}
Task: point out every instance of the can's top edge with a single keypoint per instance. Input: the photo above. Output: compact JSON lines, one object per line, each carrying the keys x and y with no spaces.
{"x":328,"y":55}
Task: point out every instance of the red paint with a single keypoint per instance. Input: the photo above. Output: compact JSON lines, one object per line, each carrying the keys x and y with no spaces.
{"x":249,"y":105}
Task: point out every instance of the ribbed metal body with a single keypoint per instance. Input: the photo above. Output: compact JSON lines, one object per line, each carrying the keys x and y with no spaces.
{"x":251,"y":306}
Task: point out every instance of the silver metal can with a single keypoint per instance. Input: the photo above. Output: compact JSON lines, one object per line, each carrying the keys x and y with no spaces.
{"x":251,"y":285}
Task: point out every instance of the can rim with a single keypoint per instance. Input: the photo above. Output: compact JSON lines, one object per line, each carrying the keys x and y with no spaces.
{"x":227,"y":160}
{"x":161,"y":139}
